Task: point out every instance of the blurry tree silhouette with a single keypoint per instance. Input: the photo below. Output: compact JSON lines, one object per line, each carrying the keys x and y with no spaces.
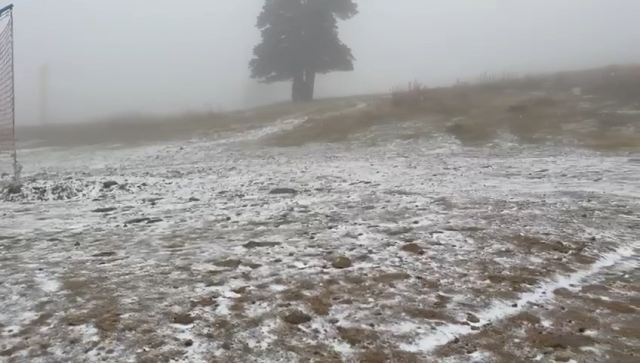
{"x":299,"y":40}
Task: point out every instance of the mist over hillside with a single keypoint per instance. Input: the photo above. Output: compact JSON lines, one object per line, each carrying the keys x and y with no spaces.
{"x":121,"y":57}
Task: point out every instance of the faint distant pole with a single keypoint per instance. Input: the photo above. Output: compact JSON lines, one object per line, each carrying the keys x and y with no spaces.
{"x":44,"y":94}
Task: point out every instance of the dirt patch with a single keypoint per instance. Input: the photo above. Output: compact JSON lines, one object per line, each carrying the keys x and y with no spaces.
{"x":320,"y":305}
{"x":13,"y":350}
{"x":618,"y":307}
{"x":429,"y":314}
{"x":182,"y":319}
{"x":526,"y":318}
{"x":373,"y":356}
{"x":292,"y":295}
{"x":155,"y":356}
{"x":229,"y":263}
{"x":561,"y":341}
{"x":413,"y":248}
{"x":296,"y":317}
{"x":204,"y":302}
{"x":358,"y":336}
{"x":580,"y":320}
{"x":563,"y":292}
{"x":441,"y":301}
{"x":629,"y":332}
{"x":252,"y":244}
{"x":539,"y":245}
{"x":355,"y":279}
{"x":596,"y":289}
{"x":109,"y":320}
{"x":384,"y":354}
{"x":391,"y":277}
{"x":516,"y":281}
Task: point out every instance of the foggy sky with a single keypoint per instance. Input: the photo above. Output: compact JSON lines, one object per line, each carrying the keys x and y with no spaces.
{"x":111,"y":57}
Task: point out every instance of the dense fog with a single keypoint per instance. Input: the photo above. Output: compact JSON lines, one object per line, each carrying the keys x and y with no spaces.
{"x":106,"y":58}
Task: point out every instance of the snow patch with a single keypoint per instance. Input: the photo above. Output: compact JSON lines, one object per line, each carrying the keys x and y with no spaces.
{"x":46,"y":282}
{"x":504,"y":310}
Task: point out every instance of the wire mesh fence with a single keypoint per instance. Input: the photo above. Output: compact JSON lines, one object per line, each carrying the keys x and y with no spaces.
{"x":8,"y":152}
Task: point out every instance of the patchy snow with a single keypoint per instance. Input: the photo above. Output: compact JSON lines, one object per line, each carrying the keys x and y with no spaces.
{"x":109,"y":244}
{"x":502,"y":310}
{"x":47,"y":283}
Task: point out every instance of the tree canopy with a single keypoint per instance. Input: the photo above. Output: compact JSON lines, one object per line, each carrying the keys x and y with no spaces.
{"x":299,"y":40}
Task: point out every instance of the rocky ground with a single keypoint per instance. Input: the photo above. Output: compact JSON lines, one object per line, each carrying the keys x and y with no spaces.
{"x":225,"y":250}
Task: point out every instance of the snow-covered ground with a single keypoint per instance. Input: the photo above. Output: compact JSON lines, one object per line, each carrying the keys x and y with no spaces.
{"x":225,"y":250}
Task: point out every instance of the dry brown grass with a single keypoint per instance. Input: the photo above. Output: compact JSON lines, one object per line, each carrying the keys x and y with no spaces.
{"x":335,"y":128}
{"x":535,"y":109}
{"x":130,"y":129}
{"x":139,"y":129}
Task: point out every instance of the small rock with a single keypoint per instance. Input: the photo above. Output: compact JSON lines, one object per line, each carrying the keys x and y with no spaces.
{"x":240,"y":290}
{"x":109,"y":184}
{"x":283,"y":191}
{"x":194,"y":199}
{"x":252,"y":244}
{"x":204,"y":302}
{"x":412,"y":248}
{"x":77,"y":244}
{"x":363,"y":257}
{"x":472,"y":319}
{"x":397,"y":231}
{"x":471,"y":350}
{"x":104,"y":254}
{"x":296,"y":317}
{"x":138,"y":220}
{"x":230,"y":263}
{"x":188,"y":343}
{"x":142,"y":220}
{"x":563,"y":356}
{"x":14,"y":189}
{"x":253,"y":266}
{"x":104,"y":210}
{"x":341,"y":262}
{"x":548,"y":351}
{"x":182,"y":319}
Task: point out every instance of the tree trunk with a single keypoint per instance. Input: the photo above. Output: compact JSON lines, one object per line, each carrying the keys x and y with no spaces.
{"x":310,"y":84}
{"x":298,"y":87}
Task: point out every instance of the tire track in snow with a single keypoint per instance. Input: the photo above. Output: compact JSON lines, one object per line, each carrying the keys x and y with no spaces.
{"x":502,"y":310}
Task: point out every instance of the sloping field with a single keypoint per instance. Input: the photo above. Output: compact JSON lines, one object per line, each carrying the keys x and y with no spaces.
{"x":480,"y":223}
{"x":225,"y":250}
